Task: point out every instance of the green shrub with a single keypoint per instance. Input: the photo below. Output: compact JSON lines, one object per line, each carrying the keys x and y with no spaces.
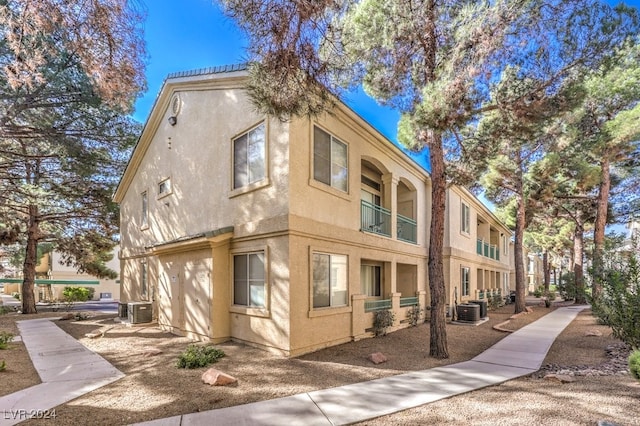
{"x":71,"y":295}
{"x":3,"y":365}
{"x":5,"y":338}
{"x":16,"y":296}
{"x":617,"y":305}
{"x":495,"y":302}
{"x":414,"y":314}
{"x":634,"y":364}
{"x":4,"y":310}
{"x":567,"y":288}
{"x":538,"y":291}
{"x":196,"y":356}
{"x":382,"y":320}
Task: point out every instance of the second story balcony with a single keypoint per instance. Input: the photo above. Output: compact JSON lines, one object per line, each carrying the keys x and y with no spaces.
{"x":485,"y":249}
{"x":377,"y":220}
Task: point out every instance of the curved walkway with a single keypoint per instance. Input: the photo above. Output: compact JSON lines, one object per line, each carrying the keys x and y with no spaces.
{"x":69,"y":370}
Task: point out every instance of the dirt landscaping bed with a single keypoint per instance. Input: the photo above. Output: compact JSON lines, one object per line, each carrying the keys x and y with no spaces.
{"x":155,"y":388}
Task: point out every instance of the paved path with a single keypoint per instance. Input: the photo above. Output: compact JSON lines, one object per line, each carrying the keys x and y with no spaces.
{"x":69,"y":370}
{"x":66,"y":367}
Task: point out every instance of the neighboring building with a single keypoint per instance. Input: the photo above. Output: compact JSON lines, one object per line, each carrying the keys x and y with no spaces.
{"x":535,"y":271}
{"x":477,"y":249}
{"x":282,"y":235}
{"x":52,"y":277}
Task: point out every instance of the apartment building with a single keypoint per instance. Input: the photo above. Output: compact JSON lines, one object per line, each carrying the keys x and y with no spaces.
{"x":283,"y":235}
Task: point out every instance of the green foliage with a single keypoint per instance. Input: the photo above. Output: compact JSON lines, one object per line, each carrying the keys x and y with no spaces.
{"x":5,"y":339}
{"x":3,"y":365}
{"x":538,"y":291}
{"x":196,"y":356}
{"x":16,"y":296}
{"x":74,"y":294}
{"x":414,"y":314}
{"x":618,"y":304}
{"x":495,"y":302}
{"x":382,"y":320}
{"x":634,"y":364}
{"x":4,"y":310}
{"x":567,"y":288}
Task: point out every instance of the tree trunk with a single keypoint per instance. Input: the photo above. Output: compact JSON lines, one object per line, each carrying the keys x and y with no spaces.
{"x":30,"y":262}
{"x":599,"y":227}
{"x":519,"y":253}
{"x":578,"y":246}
{"x":546,"y":270}
{"x":438,"y":332}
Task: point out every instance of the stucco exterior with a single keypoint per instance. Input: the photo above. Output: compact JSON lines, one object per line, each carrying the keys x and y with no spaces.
{"x":334,"y":226}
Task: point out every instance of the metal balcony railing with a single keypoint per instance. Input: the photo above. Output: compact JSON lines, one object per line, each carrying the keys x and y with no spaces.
{"x":487,"y":250}
{"x":375,"y":219}
{"x":407,"y":229}
{"x":377,"y":305}
{"x":408,"y":301}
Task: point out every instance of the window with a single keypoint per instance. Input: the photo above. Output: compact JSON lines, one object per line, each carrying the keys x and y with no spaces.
{"x":144,"y":285}
{"x":249,"y":157}
{"x":330,"y":163}
{"x":465,"y":281}
{"x":164,"y":187}
{"x":144,"y":220}
{"x":248,"y":280}
{"x":465,"y":222}
{"x":329,"y":280}
{"x":370,"y":278}
{"x":505,"y":244}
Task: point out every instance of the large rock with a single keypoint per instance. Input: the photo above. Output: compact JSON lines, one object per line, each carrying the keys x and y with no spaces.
{"x":215,"y":377}
{"x":94,"y":334}
{"x":377,"y":358}
{"x":561,"y":378}
{"x":594,"y":333}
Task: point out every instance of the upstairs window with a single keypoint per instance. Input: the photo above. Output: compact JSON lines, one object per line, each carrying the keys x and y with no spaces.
{"x":465,"y":223}
{"x":330,"y":161}
{"x":164,"y":187}
{"x":144,"y":214}
{"x":249,"y":157}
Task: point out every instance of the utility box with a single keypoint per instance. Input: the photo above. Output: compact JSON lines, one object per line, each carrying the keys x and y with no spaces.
{"x":123,"y":312}
{"x":468,"y":312}
{"x":483,"y":307}
{"x":139,"y":312}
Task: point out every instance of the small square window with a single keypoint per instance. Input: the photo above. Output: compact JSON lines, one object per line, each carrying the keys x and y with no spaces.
{"x":164,"y":187}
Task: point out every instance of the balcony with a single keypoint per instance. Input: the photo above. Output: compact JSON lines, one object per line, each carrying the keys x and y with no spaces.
{"x":377,"y":305}
{"x":375,"y":219}
{"x":487,"y":250}
{"x":407,"y":229}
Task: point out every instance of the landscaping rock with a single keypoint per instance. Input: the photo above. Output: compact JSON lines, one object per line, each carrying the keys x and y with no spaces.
{"x":94,"y":334}
{"x":67,"y":316}
{"x":377,"y":358}
{"x":595,"y":333}
{"x":561,"y":378}
{"x":149,"y":352}
{"x":215,"y":377}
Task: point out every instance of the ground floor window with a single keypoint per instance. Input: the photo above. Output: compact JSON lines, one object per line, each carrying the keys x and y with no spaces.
{"x":249,"y":279}
{"x":329,"y":280}
{"x":370,"y":278}
{"x":465,"y":280}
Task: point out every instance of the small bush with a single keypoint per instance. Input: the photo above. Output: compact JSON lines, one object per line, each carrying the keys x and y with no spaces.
{"x":16,"y":296}
{"x":3,"y":365}
{"x":4,"y":310}
{"x":74,"y":294}
{"x":538,"y":291}
{"x":634,"y":364}
{"x":382,"y":320}
{"x":495,"y":302}
{"x":5,"y":338}
{"x":414,"y":315}
{"x":196,"y":356}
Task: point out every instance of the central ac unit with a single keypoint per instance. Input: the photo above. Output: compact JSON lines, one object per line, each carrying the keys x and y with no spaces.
{"x":139,"y":312}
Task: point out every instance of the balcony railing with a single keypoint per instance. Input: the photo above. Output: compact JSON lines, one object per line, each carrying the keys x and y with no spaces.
{"x":375,"y":219}
{"x":407,"y":229}
{"x":408,"y":301}
{"x":487,"y":250}
{"x":377,"y":305}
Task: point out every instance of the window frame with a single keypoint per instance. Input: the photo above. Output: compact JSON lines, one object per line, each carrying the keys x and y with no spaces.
{"x":264,"y":179}
{"x":465,"y":272}
{"x":262,"y":311}
{"x":333,"y":140}
{"x":379,"y":276}
{"x":169,"y":191}
{"x":144,"y":209}
{"x":465,"y":220}
{"x":331,"y":295}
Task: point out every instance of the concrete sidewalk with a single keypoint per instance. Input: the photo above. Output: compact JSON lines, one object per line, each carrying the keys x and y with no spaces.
{"x":518,"y":354}
{"x":67,"y":370}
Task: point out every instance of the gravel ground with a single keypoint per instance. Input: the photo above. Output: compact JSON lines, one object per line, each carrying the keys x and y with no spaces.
{"x":155,"y":388}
